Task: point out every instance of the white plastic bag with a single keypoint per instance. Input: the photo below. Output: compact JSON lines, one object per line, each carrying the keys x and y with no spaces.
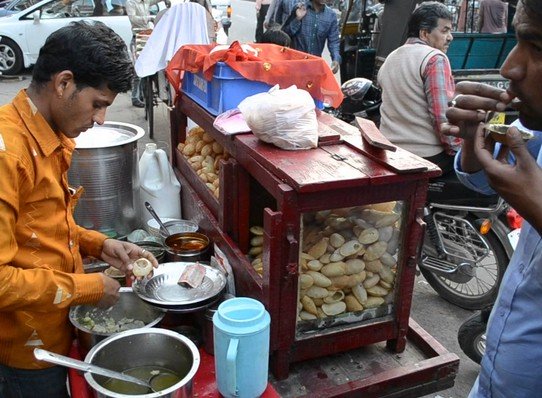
{"x":285,"y":118}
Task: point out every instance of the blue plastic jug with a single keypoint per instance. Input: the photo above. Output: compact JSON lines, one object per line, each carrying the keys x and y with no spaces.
{"x":241,"y":347}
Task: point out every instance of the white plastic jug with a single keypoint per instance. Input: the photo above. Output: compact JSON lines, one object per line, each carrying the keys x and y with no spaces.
{"x":158,"y":184}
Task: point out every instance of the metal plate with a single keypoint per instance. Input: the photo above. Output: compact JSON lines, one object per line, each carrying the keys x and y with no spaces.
{"x":180,"y":309}
{"x":164,"y":291}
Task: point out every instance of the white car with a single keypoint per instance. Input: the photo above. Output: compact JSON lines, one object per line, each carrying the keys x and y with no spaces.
{"x":23,"y":33}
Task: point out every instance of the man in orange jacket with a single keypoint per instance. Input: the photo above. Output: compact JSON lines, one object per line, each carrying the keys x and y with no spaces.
{"x":79,"y":72}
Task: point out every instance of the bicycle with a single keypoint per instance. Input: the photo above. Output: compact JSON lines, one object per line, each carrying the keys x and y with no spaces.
{"x":156,"y":90}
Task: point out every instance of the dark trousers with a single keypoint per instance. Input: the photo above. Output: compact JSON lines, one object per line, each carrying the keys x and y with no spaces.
{"x":444,"y":161}
{"x":137,"y":87}
{"x":30,"y":383}
{"x":259,"y":23}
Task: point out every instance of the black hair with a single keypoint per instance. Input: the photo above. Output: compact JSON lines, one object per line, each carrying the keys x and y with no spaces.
{"x":533,"y":6}
{"x":93,"y":52}
{"x":426,"y":17}
{"x":276,"y":36}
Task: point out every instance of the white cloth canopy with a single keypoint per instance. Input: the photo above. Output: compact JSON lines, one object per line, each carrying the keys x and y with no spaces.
{"x":183,"y":23}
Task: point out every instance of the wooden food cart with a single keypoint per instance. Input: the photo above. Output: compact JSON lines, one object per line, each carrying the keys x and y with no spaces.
{"x":299,"y":198}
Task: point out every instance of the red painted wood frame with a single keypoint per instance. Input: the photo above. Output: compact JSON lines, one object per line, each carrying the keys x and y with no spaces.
{"x":297,"y":185}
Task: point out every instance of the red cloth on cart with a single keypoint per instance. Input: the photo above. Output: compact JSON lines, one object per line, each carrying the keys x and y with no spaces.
{"x":273,"y":65}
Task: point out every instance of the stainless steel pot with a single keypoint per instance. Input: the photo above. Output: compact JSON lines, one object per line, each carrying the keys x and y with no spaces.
{"x":145,"y":347}
{"x":128,"y":306}
{"x":105,"y":164}
{"x":187,"y":247}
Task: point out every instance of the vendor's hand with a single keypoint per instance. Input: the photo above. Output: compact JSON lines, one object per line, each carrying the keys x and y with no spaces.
{"x":470,"y":105}
{"x":300,"y":12}
{"x":111,"y":292}
{"x":519,"y":184}
{"x":334,"y":66}
{"x":121,"y":255}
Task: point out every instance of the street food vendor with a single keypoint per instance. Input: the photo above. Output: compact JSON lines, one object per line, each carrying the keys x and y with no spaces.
{"x":80,"y":70}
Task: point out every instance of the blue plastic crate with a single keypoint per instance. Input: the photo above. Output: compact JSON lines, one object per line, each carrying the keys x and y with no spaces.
{"x":224,"y":92}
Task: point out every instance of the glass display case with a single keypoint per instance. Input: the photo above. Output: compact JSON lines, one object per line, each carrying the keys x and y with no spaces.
{"x":347,"y":266}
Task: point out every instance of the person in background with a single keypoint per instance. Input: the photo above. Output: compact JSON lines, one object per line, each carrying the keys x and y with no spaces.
{"x":80,"y":70}
{"x":493,"y":16}
{"x":138,"y":12}
{"x":278,"y":12}
{"x":116,"y":7}
{"x":212,"y":25}
{"x":314,"y":24}
{"x":261,"y":11}
{"x":417,"y":83}
{"x":512,"y":363}
{"x":276,"y":36}
{"x":98,"y":8}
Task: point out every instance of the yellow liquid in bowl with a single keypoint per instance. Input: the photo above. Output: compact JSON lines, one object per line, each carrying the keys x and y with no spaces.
{"x":158,"y":377}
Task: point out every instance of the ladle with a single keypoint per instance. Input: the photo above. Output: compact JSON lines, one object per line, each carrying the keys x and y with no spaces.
{"x":155,"y":216}
{"x":47,"y":356}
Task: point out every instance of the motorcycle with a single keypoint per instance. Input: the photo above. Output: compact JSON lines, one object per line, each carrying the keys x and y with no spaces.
{"x":472,"y":334}
{"x":468,"y":240}
{"x":468,"y":244}
{"x":361,"y":98}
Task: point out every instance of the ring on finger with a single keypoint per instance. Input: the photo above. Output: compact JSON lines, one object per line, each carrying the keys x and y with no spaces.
{"x":453,"y":102}
{"x":143,"y":251}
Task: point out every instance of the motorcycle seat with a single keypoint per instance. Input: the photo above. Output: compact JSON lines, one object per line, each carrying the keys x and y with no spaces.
{"x":449,"y":190}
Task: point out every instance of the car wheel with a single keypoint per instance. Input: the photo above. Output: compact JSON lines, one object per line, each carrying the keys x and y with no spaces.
{"x":11,"y":57}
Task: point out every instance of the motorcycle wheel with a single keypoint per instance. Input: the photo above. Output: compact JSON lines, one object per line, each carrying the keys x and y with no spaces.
{"x":481,"y":290}
{"x":472,"y":337}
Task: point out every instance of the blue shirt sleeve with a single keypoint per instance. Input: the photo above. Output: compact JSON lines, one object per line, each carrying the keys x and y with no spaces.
{"x":333,"y":41}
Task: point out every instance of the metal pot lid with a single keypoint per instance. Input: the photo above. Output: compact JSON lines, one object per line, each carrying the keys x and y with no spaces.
{"x":109,"y":134}
{"x":164,"y":291}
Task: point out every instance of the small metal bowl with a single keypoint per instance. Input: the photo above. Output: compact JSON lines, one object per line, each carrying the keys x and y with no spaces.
{"x":187,"y":246}
{"x":498,"y":132}
{"x":158,"y":250}
{"x":177,"y":227}
{"x":154,"y":229}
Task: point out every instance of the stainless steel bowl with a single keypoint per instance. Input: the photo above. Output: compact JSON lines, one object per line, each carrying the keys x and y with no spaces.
{"x":145,"y":347}
{"x":187,"y":246}
{"x":128,"y":306}
{"x":177,"y":227}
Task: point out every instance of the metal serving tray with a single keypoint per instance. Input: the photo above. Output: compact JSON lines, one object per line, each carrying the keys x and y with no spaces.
{"x":162,"y":289}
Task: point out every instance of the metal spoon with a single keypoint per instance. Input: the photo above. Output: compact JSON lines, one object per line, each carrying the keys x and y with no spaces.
{"x":47,"y":356}
{"x":155,"y":216}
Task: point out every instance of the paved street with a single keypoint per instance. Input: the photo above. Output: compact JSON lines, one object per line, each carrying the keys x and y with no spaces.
{"x":438,"y":317}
